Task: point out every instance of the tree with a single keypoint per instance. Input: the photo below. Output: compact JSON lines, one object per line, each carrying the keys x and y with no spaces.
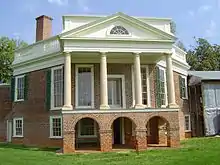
{"x":7,"y":48}
{"x":173,"y":27}
{"x":204,"y":56}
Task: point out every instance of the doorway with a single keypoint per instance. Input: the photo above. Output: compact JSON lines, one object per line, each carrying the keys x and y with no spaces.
{"x":117,"y":131}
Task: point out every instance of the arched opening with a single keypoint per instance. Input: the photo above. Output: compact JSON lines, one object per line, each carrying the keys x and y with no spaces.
{"x":87,"y":135}
{"x":123,"y":133}
{"x":157,"y":132}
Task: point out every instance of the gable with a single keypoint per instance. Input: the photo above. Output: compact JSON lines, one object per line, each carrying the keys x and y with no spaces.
{"x":100,"y":29}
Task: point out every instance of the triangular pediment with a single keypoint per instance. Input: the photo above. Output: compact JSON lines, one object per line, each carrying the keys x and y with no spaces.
{"x":101,"y":29}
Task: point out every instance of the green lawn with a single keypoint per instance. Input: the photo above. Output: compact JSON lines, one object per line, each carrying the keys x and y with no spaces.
{"x":203,"y":151}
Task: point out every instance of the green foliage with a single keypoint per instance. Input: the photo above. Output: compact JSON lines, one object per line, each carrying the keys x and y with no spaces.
{"x":7,"y":47}
{"x":173,"y":27}
{"x":204,"y":56}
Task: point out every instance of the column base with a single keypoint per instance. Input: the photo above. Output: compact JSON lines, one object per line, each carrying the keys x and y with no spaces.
{"x":173,"y":105}
{"x":104,"y":106}
{"x":67,"y":107}
{"x":139,"y":106}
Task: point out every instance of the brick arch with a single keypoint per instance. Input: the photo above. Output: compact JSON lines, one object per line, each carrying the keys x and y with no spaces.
{"x":109,"y":124}
{"x":162,"y":117}
{"x":77,"y":119}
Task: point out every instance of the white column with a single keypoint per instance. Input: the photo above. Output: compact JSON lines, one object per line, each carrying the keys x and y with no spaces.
{"x":137,"y":82}
{"x":170,"y":82}
{"x":103,"y":82}
{"x":67,"y":82}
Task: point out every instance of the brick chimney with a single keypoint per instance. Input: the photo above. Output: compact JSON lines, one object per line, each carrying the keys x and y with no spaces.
{"x":43,"y":27}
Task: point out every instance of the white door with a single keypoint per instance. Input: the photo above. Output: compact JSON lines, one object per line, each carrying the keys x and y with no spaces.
{"x":9,"y":130}
{"x":115,"y":92}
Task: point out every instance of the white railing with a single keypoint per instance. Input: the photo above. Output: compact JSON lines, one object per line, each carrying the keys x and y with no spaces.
{"x":37,"y":50}
{"x":179,"y":54}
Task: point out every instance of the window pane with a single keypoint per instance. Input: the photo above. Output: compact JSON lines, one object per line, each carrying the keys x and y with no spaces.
{"x":187,"y":123}
{"x":84,"y":87}
{"x":58,"y":87}
{"x":18,"y":127}
{"x":56,"y":127}
{"x":20,"y":88}
{"x":144,"y":85}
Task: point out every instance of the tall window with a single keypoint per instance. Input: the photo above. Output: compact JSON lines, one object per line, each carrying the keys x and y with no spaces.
{"x":19,"y":88}
{"x":18,"y":127}
{"x":144,"y":74}
{"x":84,"y":86}
{"x":55,"y":126}
{"x":187,"y":123}
{"x":87,"y":128}
{"x":119,"y":30}
{"x":182,"y":84}
{"x":57,"y":87}
{"x":162,"y":86}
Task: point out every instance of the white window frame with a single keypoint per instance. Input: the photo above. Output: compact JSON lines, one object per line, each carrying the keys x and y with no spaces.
{"x":189,"y":130}
{"x":165,"y":86}
{"x":87,"y":136}
{"x":14,"y":127}
{"x":51,"y":126}
{"x":148,"y":85}
{"x":76,"y":87}
{"x":52,"y":88}
{"x":16,"y":87}
{"x":122,"y":77}
{"x":186,"y":90}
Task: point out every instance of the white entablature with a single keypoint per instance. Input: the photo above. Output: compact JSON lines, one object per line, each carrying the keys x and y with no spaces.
{"x":93,"y":34}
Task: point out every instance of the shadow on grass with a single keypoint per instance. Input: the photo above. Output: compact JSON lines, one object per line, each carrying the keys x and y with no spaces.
{"x":23,"y":147}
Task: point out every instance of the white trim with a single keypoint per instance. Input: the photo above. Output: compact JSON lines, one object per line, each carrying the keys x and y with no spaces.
{"x":51,"y":128}
{"x":133,"y":90}
{"x":77,"y":66}
{"x":186,"y":90}
{"x":14,"y":127}
{"x":165,"y":86}
{"x":147,"y":110}
{"x":16,"y":87}
{"x":189,"y":130}
{"x":122,"y":77}
{"x":87,"y":136}
{"x":9,"y":130}
{"x":52,"y":88}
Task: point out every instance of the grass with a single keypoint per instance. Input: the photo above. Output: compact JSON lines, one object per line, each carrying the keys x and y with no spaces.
{"x":197,"y":151}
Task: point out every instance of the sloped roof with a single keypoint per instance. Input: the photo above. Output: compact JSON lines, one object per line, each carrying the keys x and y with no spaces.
{"x":198,"y":76}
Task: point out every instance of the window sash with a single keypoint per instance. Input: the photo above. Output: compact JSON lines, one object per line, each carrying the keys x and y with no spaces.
{"x":162,"y":88}
{"x":187,"y":123}
{"x":87,"y":129}
{"x":55,"y":126}
{"x":183,"y":87}
{"x":18,"y":127}
{"x":57,"y":87}
{"x":19,"y":88}
{"x":84,"y":86}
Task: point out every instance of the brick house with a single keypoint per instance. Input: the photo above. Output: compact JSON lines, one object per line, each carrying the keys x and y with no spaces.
{"x":104,"y":82}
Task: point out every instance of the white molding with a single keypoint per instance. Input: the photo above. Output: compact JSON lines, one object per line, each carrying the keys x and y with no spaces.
{"x":133,"y":87}
{"x":14,"y":127}
{"x":52,"y":88}
{"x":38,"y":65}
{"x":87,"y":136}
{"x":51,"y":128}
{"x":77,"y":66}
{"x":147,"y":110}
{"x":16,"y":88}
{"x":122,"y":77}
{"x":189,"y":130}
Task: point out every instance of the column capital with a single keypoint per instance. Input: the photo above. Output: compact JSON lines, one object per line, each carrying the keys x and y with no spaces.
{"x":103,"y":52}
{"x":67,"y":53}
{"x":137,"y":53}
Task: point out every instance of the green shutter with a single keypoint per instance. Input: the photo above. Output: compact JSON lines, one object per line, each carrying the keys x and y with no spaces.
{"x":157,"y":88}
{"x":12,"y":89}
{"x":26,"y":87}
{"x":48,"y":89}
{"x":180,"y":86}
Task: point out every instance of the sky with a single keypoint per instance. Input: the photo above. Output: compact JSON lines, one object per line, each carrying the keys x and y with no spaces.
{"x":193,"y":18}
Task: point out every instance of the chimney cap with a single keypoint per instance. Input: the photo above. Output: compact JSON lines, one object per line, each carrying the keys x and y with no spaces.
{"x":44,"y":16}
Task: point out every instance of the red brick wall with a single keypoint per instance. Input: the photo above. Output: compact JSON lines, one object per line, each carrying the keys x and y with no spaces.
{"x":5,"y":109}
{"x":34,"y":113}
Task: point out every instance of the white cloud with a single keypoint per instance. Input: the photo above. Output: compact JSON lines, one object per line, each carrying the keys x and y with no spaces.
{"x":83,"y":5}
{"x":211,"y":29}
{"x":204,"y":8}
{"x":58,"y":2}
